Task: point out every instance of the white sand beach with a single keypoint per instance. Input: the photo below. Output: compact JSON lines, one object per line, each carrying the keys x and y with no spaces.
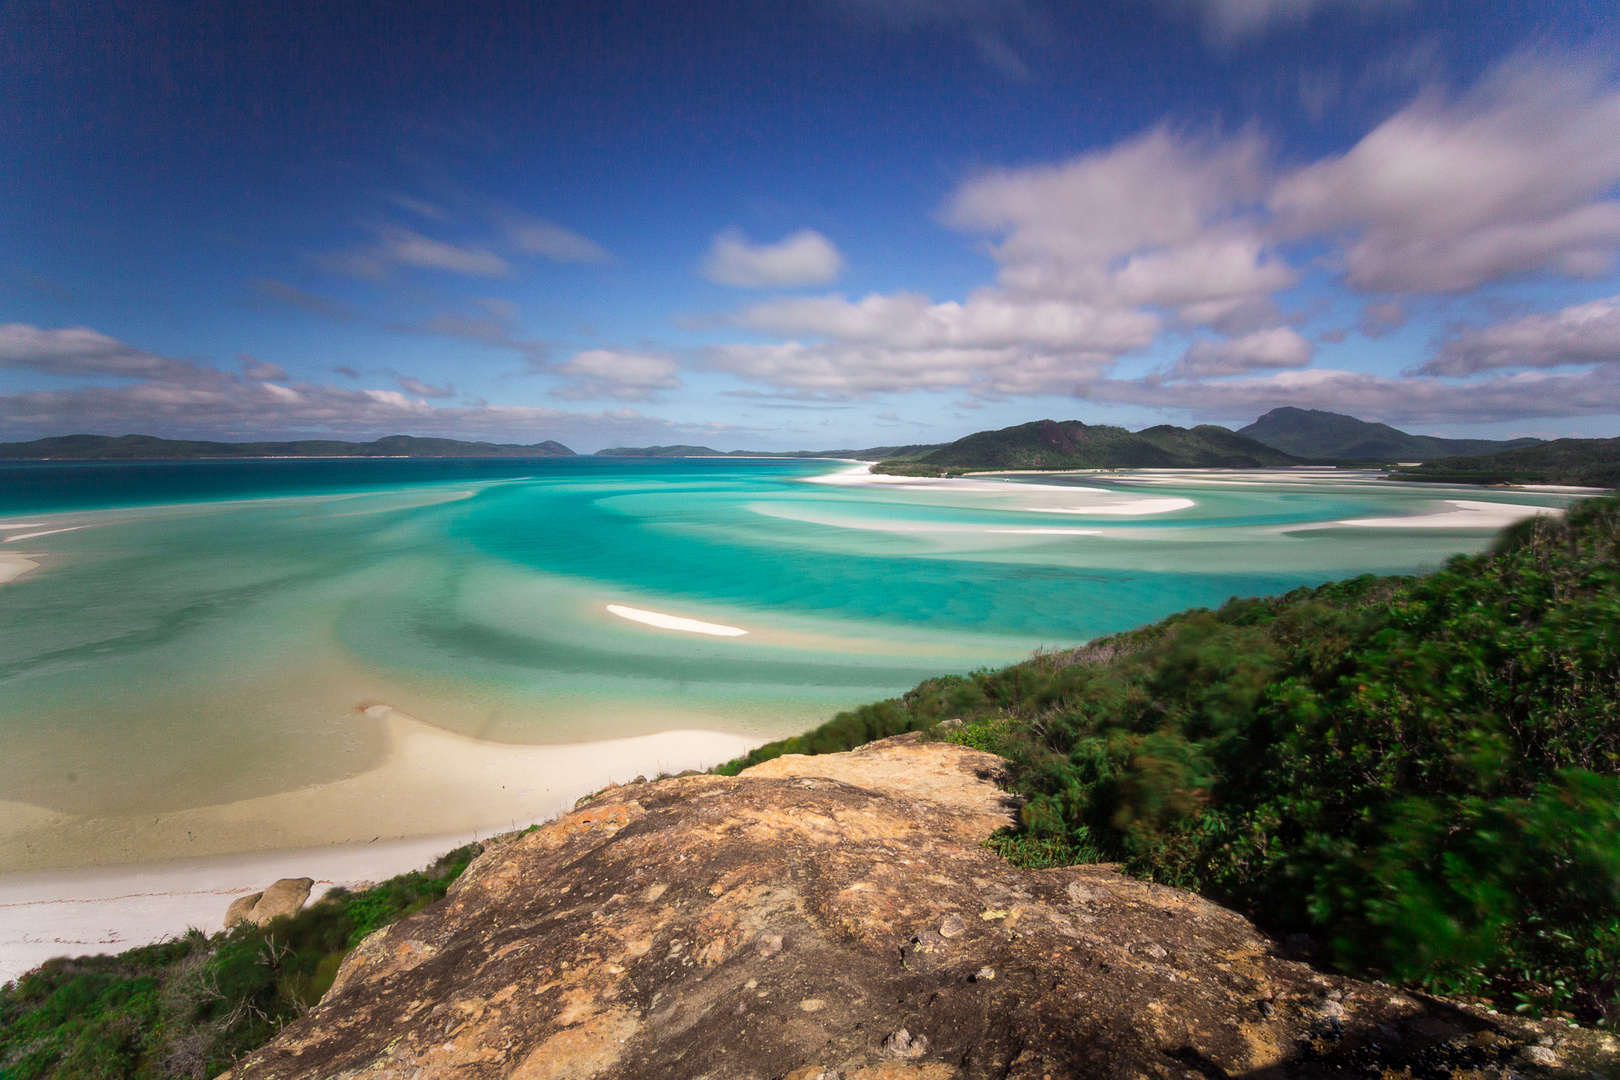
{"x":103,"y":884}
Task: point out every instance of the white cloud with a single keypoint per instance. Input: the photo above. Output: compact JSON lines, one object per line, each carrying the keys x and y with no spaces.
{"x":80,"y":351}
{"x":396,"y":246}
{"x":1278,"y":347}
{"x":261,"y":370}
{"x":805,"y":258}
{"x":1156,"y":220}
{"x":1512,"y":178}
{"x":612,"y":373}
{"x":171,"y":397}
{"x":1229,"y":21}
{"x":532,"y":236}
{"x":425,"y":390}
{"x":1582,"y":334}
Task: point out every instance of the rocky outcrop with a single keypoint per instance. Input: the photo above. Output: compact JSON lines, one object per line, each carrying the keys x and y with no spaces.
{"x":836,"y":918}
{"x":285,"y":897}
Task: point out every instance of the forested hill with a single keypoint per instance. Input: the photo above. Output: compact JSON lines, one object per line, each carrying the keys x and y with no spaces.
{"x":1578,"y":462}
{"x":105,"y":447}
{"x":1312,"y":433}
{"x":1070,"y":444}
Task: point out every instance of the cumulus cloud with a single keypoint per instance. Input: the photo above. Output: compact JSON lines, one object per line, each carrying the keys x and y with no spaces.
{"x":1513,"y":177}
{"x":1100,"y":254}
{"x":1278,"y":347}
{"x":1581,"y":334}
{"x":81,"y":351}
{"x":1156,"y":220}
{"x":805,"y":258}
{"x":613,"y":373}
{"x":993,"y":344}
{"x":261,"y":370}
{"x":172,"y":397}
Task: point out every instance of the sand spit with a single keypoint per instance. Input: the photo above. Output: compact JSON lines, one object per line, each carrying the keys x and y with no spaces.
{"x":15,"y":566}
{"x":674,"y":622}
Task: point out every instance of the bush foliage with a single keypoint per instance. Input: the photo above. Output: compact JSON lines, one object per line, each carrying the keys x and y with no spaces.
{"x":188,"y":1007}
{"x":1421,"y":773}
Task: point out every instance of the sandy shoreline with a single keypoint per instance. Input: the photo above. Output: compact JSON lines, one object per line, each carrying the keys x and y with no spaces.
{"x":104,"y":884}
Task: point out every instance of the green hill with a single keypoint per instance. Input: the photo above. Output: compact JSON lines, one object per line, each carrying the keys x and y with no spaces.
{"x":1070,"y":444}
{"x":1311,"y":433}
{"x":1578,"y":462}
{"x":104,"y":447}
{"x":1422,"y":774}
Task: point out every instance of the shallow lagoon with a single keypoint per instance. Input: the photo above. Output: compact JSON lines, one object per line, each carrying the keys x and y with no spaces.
{"x":209,"y":633}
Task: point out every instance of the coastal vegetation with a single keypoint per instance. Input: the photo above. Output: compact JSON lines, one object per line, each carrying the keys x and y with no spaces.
{"x":1070,"y":444}
{"x":188,"y":1007}
{"x":1313,"y":433}
{"x":1577,"y":462}
{"x":1422,"y":775}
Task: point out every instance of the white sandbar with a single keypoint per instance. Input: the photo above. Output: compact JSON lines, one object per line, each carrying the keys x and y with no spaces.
{"x":1468,"y":515}
{"x":674,"y":622}
{"x":47,"y":532}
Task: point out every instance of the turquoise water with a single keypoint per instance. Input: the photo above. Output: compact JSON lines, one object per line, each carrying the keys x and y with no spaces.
{"x":212,"y":631}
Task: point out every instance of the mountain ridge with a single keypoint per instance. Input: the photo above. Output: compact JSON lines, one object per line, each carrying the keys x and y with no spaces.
{"x":1320,"y":435}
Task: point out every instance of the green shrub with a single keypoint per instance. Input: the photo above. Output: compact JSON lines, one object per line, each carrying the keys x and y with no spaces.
{"x":190,"y":1006}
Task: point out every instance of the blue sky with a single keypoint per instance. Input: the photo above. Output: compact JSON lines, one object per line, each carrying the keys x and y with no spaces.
{"x":805,"y":223}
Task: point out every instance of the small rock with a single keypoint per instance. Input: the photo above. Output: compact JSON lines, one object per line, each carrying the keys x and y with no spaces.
{"x":984,"y":974}
{"x":285,"y":897}
{"x":1538,"y":1055}
{"x":901,"y":1044}
{"x":952,"y":926}
{"x":1267,"y":1009}
{"x":768,"y":945}
{"x":950,"y":725}
{"x":1153,"y":949}
{"x":811,"y":1005}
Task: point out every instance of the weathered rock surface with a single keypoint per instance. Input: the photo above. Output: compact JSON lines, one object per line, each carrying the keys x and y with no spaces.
{"x":240,"y":909}
{"x":835,"y":918}
{"x":285,"y":897}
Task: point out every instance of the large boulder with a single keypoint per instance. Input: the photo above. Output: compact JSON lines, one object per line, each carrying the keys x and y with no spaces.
{"x":285,"y":897}
{"x":837,"y":917}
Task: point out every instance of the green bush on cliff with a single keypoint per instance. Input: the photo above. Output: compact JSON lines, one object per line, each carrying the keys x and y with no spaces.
{"x":1421,"y":773}
{"x":188,"y":1007}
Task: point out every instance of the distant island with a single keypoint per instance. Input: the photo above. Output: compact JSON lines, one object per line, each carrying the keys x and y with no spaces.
{"x":1575,"y":462}
{"x":107,"y":447}
{"x":1071,"y":444}
{"x":1312,"y":433}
